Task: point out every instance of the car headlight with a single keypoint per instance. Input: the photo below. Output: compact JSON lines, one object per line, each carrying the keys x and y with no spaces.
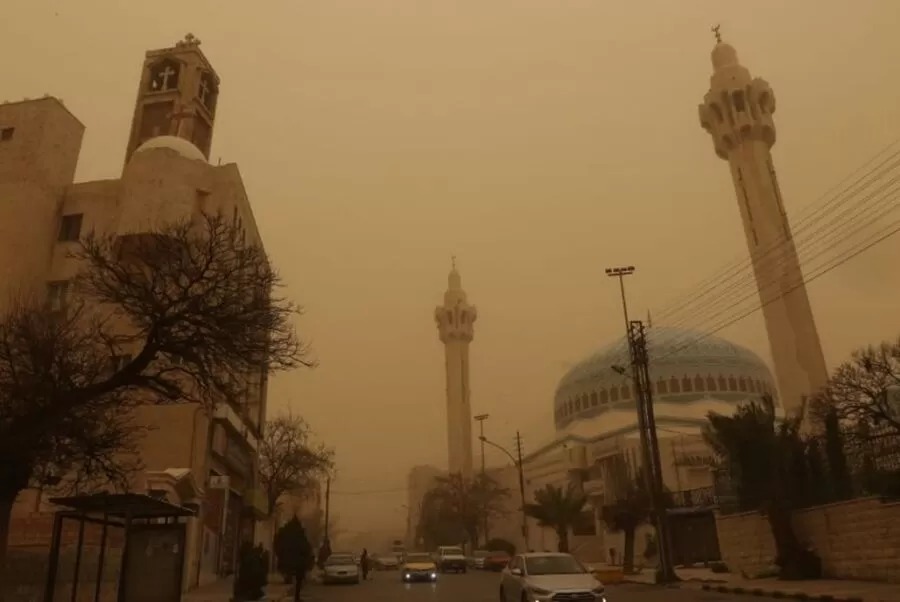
{"x":539,"y":591}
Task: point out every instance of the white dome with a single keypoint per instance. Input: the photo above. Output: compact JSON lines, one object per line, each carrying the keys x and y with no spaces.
{"x":182,"y":146}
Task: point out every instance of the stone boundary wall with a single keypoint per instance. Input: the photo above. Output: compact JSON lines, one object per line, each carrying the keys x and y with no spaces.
{"x":856,"y":539}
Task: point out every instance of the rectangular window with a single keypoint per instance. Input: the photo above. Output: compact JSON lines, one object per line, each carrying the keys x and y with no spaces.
{"x":6,"y":134}
{"x":57,"y":294}
{"x":70,"y":227}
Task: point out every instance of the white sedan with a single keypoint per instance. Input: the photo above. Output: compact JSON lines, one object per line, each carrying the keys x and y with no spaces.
{"x":542,"y":577}
{"x":341,"y":568}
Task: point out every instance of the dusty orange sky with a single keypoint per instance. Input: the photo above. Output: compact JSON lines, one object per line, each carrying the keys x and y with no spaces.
{"x":538,"y":141}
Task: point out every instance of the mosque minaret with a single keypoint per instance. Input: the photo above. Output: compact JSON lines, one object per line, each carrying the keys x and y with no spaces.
{"x":456,"y":327}
{"x":737,"y":112}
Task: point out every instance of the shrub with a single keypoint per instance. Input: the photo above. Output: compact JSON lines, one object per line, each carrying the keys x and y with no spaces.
{"x":252,"y":573}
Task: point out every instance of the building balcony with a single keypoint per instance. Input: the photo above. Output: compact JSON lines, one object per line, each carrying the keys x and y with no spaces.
{"x":701,"y":497}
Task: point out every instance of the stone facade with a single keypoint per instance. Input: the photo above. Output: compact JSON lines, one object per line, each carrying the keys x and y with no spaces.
{"x":857,"y":539}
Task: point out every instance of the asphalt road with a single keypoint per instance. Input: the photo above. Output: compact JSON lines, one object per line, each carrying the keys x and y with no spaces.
{"x":477,"y":586}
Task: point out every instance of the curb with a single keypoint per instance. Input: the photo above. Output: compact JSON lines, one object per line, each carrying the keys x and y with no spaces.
{"x":776,"y":593}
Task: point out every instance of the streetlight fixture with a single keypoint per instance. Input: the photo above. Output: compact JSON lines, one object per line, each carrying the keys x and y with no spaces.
{"x":481,"y":418}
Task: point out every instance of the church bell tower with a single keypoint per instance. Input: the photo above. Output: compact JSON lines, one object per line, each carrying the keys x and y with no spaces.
{"x":456,"y":327}
{"x":737,"y":113}
{"x":176,"y":96}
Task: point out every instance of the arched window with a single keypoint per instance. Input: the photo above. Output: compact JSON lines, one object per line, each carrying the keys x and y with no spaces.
{"x":732,"y":384}
{"x":164,"y":76}
{"x":584,"y":401}
{"x":686,"y":384}
{"x":594,"y":400}
{"x":710,"y":383}
{"x":614,"y":394}
{"x":208,"y":91}
{"x":723,"y":384}
{"x":662,"y":388}
{"x":698,"y":383}
{"x":626,"y":392}
{"x":718,"y":112}
{"x":604,"y":396}
{"x":674,"y":386}
{"x":737,"y":98}
{"x":577,"y":404}
{"x":742,"y":384}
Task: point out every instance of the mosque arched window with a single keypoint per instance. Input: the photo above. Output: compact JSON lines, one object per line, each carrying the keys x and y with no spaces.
{"x":698,"y":383}
{"x":757,"y":386}
{"x":662,"y":388}
{"x":626,"y":392}
{"x":614,"y":394}
{"x":723,"y":384}
{"x":765,"y":99}
{"x":710,"y":383}
{"x":674,"y":386}
{"x":732,"y":384}
{"x":584,"y":402}
{"x":571,"y":406}
{"x":742,"y":384}
{"x":577,"y":404}
{"x":686,"y":385}
{"x":740,"y":104}
{"x":717,"y":111}
{"x":604,"y":396}
{"x":594,"y":400}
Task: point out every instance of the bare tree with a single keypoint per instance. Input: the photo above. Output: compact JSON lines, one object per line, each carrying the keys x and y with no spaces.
{"x":289,"y":460}
{"x":859,"y":389}
{"x":188,"y":312}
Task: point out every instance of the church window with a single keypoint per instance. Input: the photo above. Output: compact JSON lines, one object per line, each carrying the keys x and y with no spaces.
{"x":710,"y":383}
{"x":614,"y":394}
{"x":604,"y":396}
{"x":6,"y":134}
{"x":208,"y":91}
{"x":732,"y":384}
{"x":662,"y":387}
{"x":626,"y":392}
{"x":164,"y":76}
{"x":70,"y":227}
{"x":698,"y":383}
{"x":686,"y":384}
{"x":739,"y":103}
{"x":742,"y":384}
{"x":723,"y":384}
{"x":674,"y":386}
{"x":594,"y":400}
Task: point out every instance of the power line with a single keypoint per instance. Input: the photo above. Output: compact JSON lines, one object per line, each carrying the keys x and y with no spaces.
{"x":813,"y":210}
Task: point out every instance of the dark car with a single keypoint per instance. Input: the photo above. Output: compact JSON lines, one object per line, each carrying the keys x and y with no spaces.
{"x":496,"y":561}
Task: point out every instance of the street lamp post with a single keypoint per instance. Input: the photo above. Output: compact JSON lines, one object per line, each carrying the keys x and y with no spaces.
{"x":481,"y":418}
{"x":518,"y":464}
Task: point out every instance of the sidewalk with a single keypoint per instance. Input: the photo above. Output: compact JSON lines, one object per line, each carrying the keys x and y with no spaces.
{"x":827,"y":590}
{"x":221,"y":591}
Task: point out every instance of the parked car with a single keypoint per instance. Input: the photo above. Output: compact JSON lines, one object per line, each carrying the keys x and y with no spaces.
{"x":341,"y":568}
{"x":451,"y":558}
{"x":476,"y":560}
{"x":418,"y":566}
{"x":385,"y":562}
{"x":548,"y":576}
{"x":496,"y":560}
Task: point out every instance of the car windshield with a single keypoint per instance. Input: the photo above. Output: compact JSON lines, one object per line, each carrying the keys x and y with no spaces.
{"x":418,"y":558}
{"x":553,"y":565}
{"x":341,"y":559}
{"x":452,"y":551}
{"x":481,"y":553}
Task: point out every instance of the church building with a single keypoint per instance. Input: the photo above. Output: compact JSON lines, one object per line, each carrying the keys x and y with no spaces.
{"x":205,"y":459}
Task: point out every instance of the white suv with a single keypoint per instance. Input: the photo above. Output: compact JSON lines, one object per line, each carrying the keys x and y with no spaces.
{"x":451,"y":558}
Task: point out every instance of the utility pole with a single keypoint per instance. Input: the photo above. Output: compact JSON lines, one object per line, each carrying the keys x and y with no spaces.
{"x":640,"y":367}
{"x":522,"y":486}
{"x":327,"y":504}
{"x":481,"y":418}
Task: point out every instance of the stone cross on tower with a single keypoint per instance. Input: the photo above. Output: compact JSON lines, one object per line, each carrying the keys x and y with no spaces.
{"x":737,"y":112}
{"x":456,"y":327}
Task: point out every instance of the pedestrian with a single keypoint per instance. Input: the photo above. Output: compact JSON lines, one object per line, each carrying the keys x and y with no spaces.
{"x":364,"y":564}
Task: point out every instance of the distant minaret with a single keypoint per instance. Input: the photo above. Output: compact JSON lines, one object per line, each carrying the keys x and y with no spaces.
{"x":455,"y":321}
{"x":737,"y":112}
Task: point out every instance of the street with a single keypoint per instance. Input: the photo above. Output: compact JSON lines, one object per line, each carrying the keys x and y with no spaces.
{"x":483,"y":587}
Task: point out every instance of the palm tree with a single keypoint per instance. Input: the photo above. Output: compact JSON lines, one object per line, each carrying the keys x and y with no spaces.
{"x":631,"y":508}
{"x":559,"y":509}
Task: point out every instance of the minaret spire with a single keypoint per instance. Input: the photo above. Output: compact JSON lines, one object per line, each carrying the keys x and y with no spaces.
{"x":737,"y":112}
{"x":455,"y":321}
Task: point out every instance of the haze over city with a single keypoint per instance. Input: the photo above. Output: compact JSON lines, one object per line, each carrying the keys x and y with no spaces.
{"x":537,"y":142}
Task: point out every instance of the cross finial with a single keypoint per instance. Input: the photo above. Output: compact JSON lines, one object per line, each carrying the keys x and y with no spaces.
{"x":717,"y":32}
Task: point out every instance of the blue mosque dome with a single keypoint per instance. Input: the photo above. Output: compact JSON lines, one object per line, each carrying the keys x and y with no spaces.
{"x":692,"y":374}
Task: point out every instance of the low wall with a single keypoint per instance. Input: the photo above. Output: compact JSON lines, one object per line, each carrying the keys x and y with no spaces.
{"x":856,"y":539}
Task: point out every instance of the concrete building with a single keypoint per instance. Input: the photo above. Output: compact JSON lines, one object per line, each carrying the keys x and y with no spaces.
{"x":207,"y":458}
{"x":597,"y":442}
{"x":737,"y":111}
{"x":456,"y":326}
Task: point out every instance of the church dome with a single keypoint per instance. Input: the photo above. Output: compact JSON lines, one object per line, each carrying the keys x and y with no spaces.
{"x":692,"y":374}
{"x":182,"y":146}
